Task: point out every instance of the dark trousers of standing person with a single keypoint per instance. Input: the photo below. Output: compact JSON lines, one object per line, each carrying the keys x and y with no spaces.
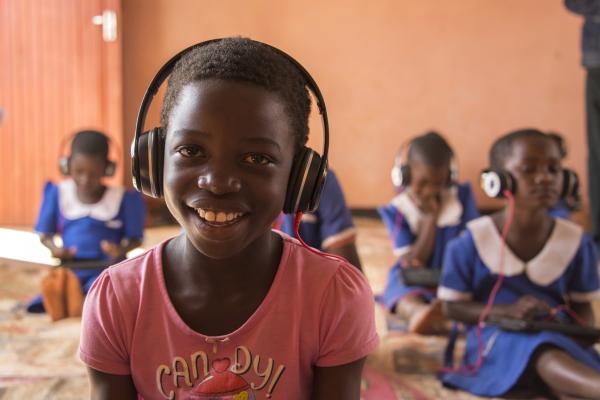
{"x":592,"y":97}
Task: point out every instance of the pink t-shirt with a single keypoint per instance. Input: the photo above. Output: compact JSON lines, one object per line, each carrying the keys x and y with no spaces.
{"x":318,"y":312}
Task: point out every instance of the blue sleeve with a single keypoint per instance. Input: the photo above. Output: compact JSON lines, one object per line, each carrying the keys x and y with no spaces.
{"x":47,"y":221}
{"x":456,"y":282}
{"x":470,"y":209}
{"x":397,"y":226}
{"x":134,"y":213}
{"x":287,"y":224}
{"x":583,"y":283}
{"x":334,"y":215}
{"x":583,"y":7}
{"x":560,"y":210}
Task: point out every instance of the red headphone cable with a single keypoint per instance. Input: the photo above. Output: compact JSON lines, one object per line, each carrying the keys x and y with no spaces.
{"x":297,"y":220}
{"x":473,"y":368}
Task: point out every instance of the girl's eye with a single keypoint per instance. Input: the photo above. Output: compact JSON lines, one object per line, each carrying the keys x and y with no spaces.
{"x":257,"y":159}
{"x":528,"y":169}
{"x":189,"y":151}
{"x":554,"y":169}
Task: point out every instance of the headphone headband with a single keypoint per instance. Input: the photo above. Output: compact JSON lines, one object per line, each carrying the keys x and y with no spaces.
{"x":165,"y":71}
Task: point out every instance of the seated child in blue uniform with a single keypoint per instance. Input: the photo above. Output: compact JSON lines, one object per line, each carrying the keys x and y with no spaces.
{"x":330,"y":227}
{"x":430,"y":209}
{"x":565,"y":206}
{"x":95,"y":222}
{"x":547,"y":264}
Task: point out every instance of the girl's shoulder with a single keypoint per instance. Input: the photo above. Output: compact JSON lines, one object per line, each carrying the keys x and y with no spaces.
{"x":464,"y":190}
{"x":127,"y":276}
{"x":318,"y":271}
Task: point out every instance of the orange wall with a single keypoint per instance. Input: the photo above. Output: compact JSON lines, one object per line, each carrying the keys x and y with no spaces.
{"x":391,"y":69}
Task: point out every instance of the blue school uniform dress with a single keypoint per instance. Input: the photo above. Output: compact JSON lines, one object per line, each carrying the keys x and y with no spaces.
{"x":560,"y":210}
{"x":403,"y":219}
{"x":118,"y":215}
{"x":565,"y":269}
{"x":330,"y":225}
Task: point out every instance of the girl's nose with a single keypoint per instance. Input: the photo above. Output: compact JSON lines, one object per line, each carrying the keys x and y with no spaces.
{"x":544,"y":176}
{"x":219,"y":184}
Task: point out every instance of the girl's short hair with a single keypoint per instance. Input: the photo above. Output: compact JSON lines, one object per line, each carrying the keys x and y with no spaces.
{"x":243,"y":60}
{"x":431,"y":149}
{"x":502,"y":147}
{"x":91,"y":143}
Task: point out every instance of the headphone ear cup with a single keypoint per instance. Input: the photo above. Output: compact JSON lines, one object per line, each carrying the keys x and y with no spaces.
{"x":110,"y":168}
{"x":453,"y":177}
{"x":148,"y":168}
{"x":570,"y":187}
{"x":63,"y":165}
{"x":405,"y":175}
{"x":396,"y":176}
{"x":305,"y":182}
{"x":494,"y":183}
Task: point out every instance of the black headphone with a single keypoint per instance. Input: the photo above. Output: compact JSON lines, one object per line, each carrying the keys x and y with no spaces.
{"x":309,"y":169}
{"x":495,"y":182}
{"x":401,"y":175}
{"x":64,"y":162}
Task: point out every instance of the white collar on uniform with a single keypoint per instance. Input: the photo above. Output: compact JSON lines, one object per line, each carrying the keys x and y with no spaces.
{"x":450,"y":213}
{"x":547,"y":266}
{"x":104,"y":210}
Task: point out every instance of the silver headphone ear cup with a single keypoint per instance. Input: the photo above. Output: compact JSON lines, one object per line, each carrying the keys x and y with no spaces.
{"x":396,"y":176}
{"x":63,"y":166}
{"x":494,"y":183}
{"x":491,"y":183}
{"x":110,"y":168}
{"x":453,"y":172}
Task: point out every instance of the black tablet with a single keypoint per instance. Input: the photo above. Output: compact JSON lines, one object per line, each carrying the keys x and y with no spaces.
{"x":518,"y":325}
{"x":420,"y":276}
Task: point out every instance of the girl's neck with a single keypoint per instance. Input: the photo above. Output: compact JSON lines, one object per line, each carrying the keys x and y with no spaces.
{"x":528,"y":219}
{"x":529,"y":231}
{"x":252,"y":263}
{"x":91,"y":197}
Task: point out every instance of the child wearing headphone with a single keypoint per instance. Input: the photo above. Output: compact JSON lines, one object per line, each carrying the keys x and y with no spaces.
{"x":429,"y":211}
{"x":521,"y":263}
{"x":330,"y":227}
{"x":229,"y":308}
{"x":97,"y":225}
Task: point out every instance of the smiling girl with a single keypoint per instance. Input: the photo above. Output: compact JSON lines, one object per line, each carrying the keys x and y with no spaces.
{"x":229,"y":309}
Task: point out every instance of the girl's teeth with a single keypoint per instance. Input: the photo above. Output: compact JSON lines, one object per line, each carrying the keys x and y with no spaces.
{"x":210,"y":216}
{"x":219,"y":217}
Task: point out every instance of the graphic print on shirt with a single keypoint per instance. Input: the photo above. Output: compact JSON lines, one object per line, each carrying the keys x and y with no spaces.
{"x":240,"y":380}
